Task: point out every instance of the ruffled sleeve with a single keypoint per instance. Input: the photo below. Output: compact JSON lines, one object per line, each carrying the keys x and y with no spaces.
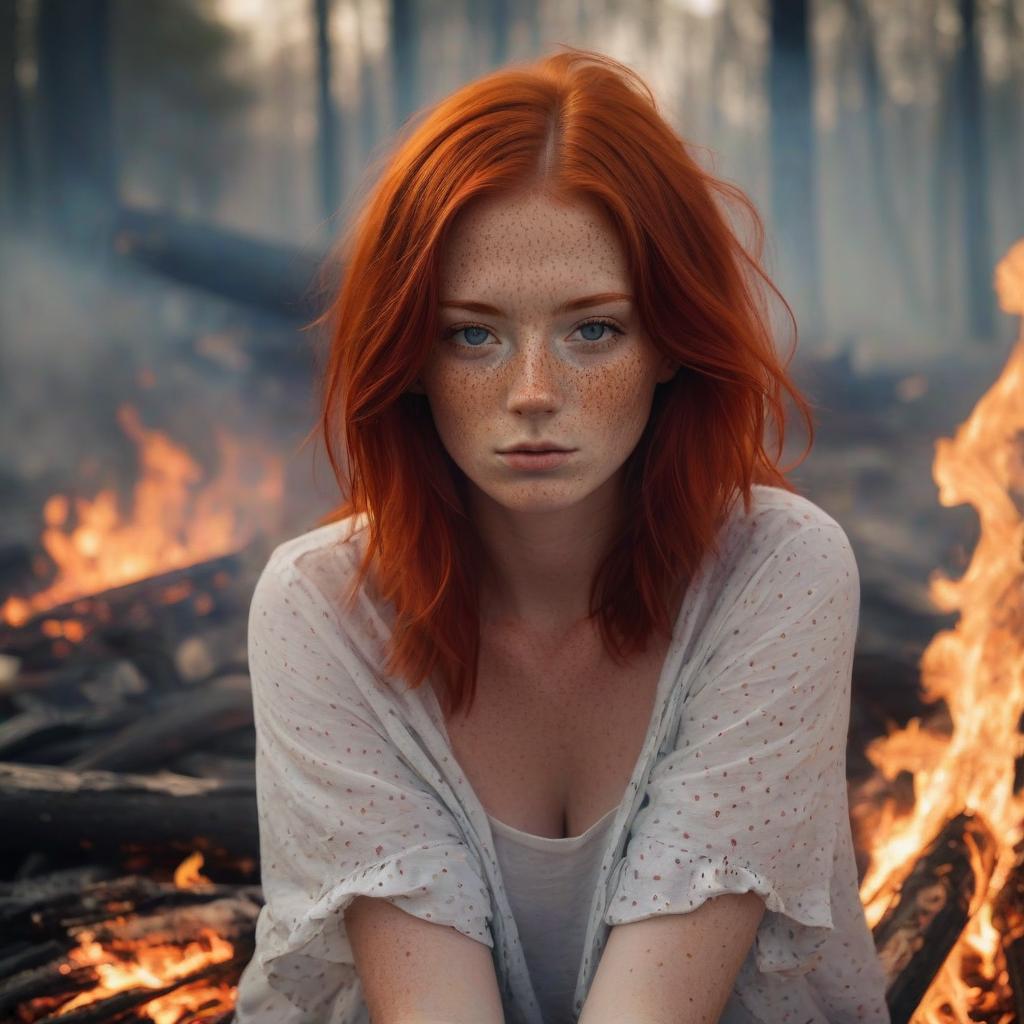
{"x":341,"y":814}
{"x":753,"y":792}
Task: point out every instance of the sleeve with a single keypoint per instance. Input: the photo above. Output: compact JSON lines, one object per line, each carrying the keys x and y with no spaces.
{"x":341,"y":814}
{"x":752,"y":794}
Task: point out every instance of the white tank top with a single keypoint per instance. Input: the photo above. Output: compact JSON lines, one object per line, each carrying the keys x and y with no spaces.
{"x":550,"y":883}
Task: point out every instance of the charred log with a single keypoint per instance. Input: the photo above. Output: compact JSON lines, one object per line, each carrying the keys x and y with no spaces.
{"x":51,"y":979}
{"x":52,"y":916}
{"x":229,"y":911}
{"x":252,"y":271}
{"x":29,"y":955}
{"x":54,"y":808}
{"x":930,"y":909}
{"x":45,"y":724}
{"x":185,"y":720}
{"x":1008,"y":918}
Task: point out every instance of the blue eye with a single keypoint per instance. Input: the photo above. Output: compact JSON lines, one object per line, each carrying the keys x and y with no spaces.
{"x":599,"y":323}
{"x":479,"y":330}
{"x":597,"y":342}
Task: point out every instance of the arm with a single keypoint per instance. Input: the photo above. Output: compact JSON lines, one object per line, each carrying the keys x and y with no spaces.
{"x":417,"y":972}
{"x":747,"y":805}
{"x":343,"y":815}
{"x":674,"y":968}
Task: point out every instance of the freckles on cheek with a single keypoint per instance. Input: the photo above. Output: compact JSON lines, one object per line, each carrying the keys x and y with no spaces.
{"x":459,"y":401}
{"x":615,"y":394}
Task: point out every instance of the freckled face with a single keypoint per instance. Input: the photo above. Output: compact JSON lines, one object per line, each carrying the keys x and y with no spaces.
{"x":582,"y":378}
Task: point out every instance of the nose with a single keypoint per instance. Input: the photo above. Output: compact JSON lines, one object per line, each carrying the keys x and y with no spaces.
{"x":535,"y":383}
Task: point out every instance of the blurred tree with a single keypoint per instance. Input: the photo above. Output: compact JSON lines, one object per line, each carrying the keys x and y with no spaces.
{"x":884,"y":175}
{"x":794,"y":158}
{"x":77,"y":160}
{"x":980,"y":259}
{"x":179,"y":98}
{"x":14,"y":185}
{"x":327,"y":144}
{"x":405,"y":67}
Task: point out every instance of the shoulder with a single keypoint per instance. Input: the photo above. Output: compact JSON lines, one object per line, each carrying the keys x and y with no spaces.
{"x":304,"y":592}
{"x":783,"y":526}
{"x":312,"y":571}
{"x":786,"y":548}
{"x":304,"y":588}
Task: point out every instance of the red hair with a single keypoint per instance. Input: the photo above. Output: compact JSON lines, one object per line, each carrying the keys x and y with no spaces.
{"x":581,"y":127}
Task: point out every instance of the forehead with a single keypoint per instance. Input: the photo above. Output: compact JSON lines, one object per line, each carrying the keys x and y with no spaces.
{"x":518,"y":246}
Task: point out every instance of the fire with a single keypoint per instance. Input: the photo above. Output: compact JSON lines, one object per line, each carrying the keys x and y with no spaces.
{"x":153,"y":962}
{"x":187,"y":874}
{"x":977,"y":669}
{"x":175,"y":521}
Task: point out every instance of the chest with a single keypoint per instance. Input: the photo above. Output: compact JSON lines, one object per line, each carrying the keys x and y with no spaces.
{"x":556,"y":730}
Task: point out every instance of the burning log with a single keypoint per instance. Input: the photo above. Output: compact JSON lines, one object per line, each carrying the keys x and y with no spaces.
{"x":931,"y":908}
{"x":118,"y":1007}
{"x":44,"y":807}
{"x":171,"y":601}
{"x":1008,"y":918}
{"x":223,"y":927}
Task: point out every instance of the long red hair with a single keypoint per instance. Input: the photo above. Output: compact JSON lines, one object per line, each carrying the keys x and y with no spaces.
{"x":581,"y":126}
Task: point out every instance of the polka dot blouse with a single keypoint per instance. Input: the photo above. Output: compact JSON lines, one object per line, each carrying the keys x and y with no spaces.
{"x":740,"y":785}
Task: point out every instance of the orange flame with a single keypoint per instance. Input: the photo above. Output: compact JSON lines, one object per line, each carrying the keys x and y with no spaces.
{"x":153,"y":962}
{"x":977,"y":669}
{"x":187,"y":874}
{"x":174,"y":522}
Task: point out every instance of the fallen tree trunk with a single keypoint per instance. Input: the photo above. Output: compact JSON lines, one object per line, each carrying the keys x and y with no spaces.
{"x":43,"y":807}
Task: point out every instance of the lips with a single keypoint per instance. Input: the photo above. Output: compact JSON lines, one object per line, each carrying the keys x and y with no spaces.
{"x":539,"y":449}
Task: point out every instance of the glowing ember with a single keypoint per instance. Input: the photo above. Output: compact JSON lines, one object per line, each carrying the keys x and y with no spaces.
{"x":187,"y":874}
{"x":175,"y":521}
{"x":977,"y":668}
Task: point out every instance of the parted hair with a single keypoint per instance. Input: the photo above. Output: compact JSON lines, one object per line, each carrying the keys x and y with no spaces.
{"x":580,"y":126}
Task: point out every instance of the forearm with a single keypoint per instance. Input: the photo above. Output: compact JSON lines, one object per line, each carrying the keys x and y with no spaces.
{"x":674,"y":968}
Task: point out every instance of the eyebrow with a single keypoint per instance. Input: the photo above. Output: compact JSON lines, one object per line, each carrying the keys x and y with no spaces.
{"x":566,"y":307}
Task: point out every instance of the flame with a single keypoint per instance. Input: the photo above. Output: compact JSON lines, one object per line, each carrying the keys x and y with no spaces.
{"x":153,"y":964}
{"x":187,"y":874}
{"x":977,"y":669}
{"x":175,"y":521}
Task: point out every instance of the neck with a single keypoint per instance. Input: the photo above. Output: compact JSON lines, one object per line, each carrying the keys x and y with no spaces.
{"x":539,"y":565}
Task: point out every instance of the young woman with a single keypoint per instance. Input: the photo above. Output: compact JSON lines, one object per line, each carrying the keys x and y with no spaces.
{"x":556,"y":737}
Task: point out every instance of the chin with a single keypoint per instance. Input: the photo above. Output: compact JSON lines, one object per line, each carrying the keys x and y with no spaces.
{"x":539,"y":495}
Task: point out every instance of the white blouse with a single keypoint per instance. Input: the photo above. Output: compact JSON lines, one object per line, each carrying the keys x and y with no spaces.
{"x":550,"y":883}
{"x":740,"y":784}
